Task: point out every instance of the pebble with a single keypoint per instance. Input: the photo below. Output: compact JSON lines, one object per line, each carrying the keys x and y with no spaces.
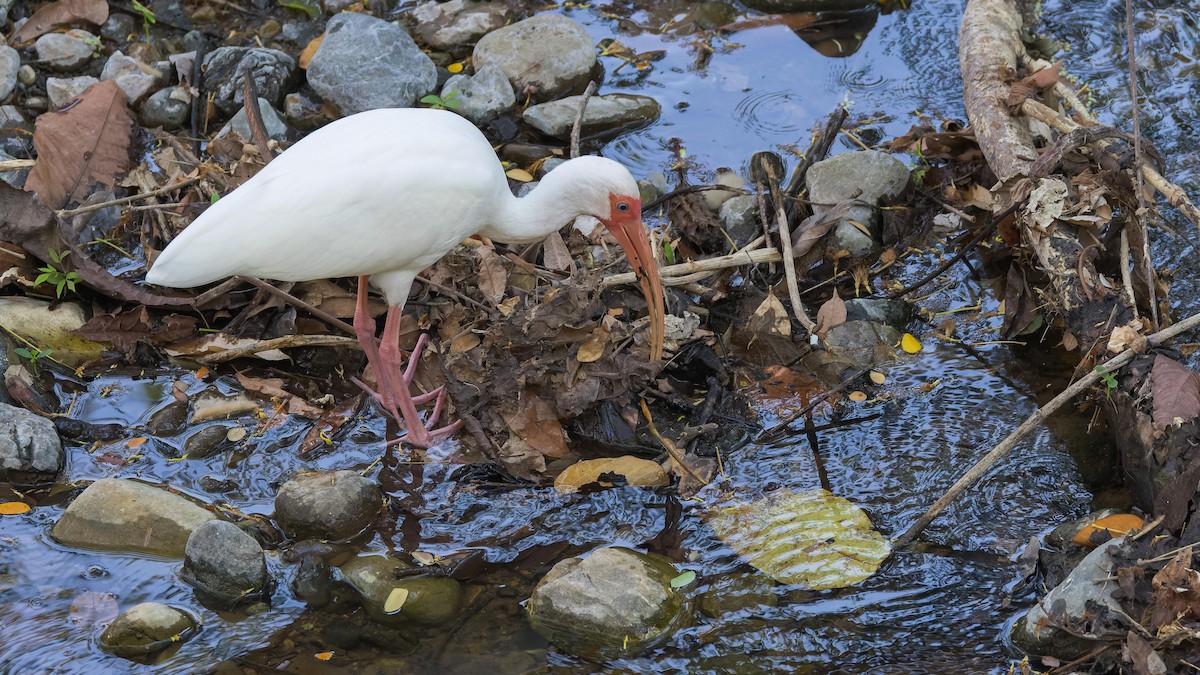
{"x":224,"y":563}
{"x":604,"y":114}
{"x":66,"y":51}
{"x":273,"y":71}
{"x":446,"y":25}
{"x":483,"y":96}
{"x":273,"y":122}
{"x":546,"y":55}
{"x":63,"y":90}
{"x":134,"y":78}
{"x":10,"y":63}
{"x":167,"y":109}
{"x":145,"y":629}
{"x":30,"y":450}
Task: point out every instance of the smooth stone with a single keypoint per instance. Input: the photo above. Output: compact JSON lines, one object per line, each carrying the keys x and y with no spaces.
{"x":876,"y":178}
{"x":366,"y":63}
{"x":51,"y":326}
{"x":66,"y":51}
{"x":483,"y":96}
{"x":273,"y":122}
{"x":118,"y":27}
{"x":10,"y":65}
{"x":167,"y":109}
{"x":446,"y":25}
{"x":26,"y":75}
{"x":613,"y":602}
{"x":331,"y":506}
{"x":431,"y":600}
{"x":604,"y":114}
{"x":205,"y":441}
{"x":273,"y":71}
{"x":133,"y":77}
{"x":895,"y":313}
{"x":224,"y":563}
{"x":546,"y":55}
{"x":30,"y":449}
{"x":739,"y":217}
{"x":116,"y":514}
{"x":145,"y":629}
{"x":861,"y":344}
{"x":63,"y":90}
{"x":11,"y":118}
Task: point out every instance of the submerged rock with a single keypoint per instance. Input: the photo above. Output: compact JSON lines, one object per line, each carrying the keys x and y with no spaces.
{"x":613,"y":602}
{"x":224,"y":563}
{"x":115,"y":514}
{"x":145,"y":629}
{"x":546,"y":55}
{"x":366,"y":63}
{"x":332,"y":506}
{"x":391,"y":599}
{"x":604,"y":114}
{"x":872,"y":179}
{"x":30,"y":450}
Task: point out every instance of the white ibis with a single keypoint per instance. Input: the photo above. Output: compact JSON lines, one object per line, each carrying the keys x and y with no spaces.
{"x":382,"y":195}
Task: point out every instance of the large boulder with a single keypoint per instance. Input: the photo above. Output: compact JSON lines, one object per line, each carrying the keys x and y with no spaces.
{"x":116,"y":514}
{"x":546,"y":55}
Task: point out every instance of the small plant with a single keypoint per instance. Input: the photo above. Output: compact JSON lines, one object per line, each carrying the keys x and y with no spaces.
{"x":439,"y":103}
{"x":51,"y":274}
{"x":147,"y":17}
{"x":1108,"y":379}
{"x":33,"y":354}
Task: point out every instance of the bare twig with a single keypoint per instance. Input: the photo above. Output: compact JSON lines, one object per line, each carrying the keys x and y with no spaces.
{"x":254,"y":118}
{"x":673,"y":451}
{"x":16,"y":164}
{"x":578,"y":126}
{"x":311,"y":309}
{"x":1000,"y":451}
{"x":743,"y":257}
{"x":287,"y":341}
{"x":785,"y":244}
{"x":67,"y":213}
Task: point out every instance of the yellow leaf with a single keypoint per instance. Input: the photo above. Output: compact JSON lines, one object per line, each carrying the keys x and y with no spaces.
{"x":910,"y":344}
{"x":235,"y":434}
{"x":636,"y":471}
{"x":519,"y":175}
{"x":593,"y":348}
{"x":878,"y":377}
{"x":135,"y":442}
{"x":455,"y":68}
{"x":857,"y":396}
{"x":306,"y":54}
{"x":395,"y":600}
{"x":13,"y":508}
{"x":323,"y":656}
{"x":201,"y":373}
{"x":1117,"y":525}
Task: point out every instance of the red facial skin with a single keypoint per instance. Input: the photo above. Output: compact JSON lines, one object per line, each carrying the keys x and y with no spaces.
{"x":625,"y":224}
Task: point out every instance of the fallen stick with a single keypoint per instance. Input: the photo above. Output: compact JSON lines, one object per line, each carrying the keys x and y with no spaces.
{"x":16,"y":164}
{"x":128,"y":200}
{"x":743,"y":257}
{"x":785,"y":244}
{"x":1034,"y":420}
{"x":577,"y":127}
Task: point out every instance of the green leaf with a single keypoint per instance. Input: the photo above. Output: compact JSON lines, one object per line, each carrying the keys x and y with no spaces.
{"x":41,"y":279}
{"x":432,"y":99}
{"x":452,"y":103}
{"x":683,"y":579}
{"x":669,"y":252}
{"x":213,"y":198}
{"x":309,"y":7}
{"x":24,"y":353}
{"x":812,"y":538}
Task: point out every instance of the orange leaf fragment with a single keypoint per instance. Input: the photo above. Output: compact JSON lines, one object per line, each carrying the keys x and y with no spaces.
{"x":323,"y":656}
{"x":310,"y":49}
{"x":201,"y":373}
{"x":13,"y":508}
{"x":1117,"y":525}
{"x":135,"y":442}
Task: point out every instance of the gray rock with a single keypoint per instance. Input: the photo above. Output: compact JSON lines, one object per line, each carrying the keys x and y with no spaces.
{"x":63,"y":90}
{"x":895,"y":313}
{"x":16,"y":179}
{"x":145,"y":629}
{"x":298,"y":33}
{"x":875,"y":177}
{"x":205,"y":441}
{"x":302,"y":112}
{"x":66,"y":51}
{"x":26,"y":75}
{"x":549,"y":165}
{"x":30,"y":450}
{"x":545,"y":55}
{"x":118,"y":27}
{"x":11,"y":118}
{"x":273,"y":72}
{"x":861,"y":344}
{"x":10,"y":63}
{"x":1092,"y":581}
{"x":224,"y":563}
{"x":134,"y":78}
{"x":366,"y":63}
{"x":739,"y":217}
{"x":332,"y":506}
{"x":429,"y":600}
{"x":272,"y":122}
{"x":604,"y":114}
{"x":445,"y":25}
{"x":615,"y":601}
{"x":167,"y":109}
{"x":124,"y":515}
{"x":5,"y":5}
{"x":786,"y":6}
{"x":483,"y":96}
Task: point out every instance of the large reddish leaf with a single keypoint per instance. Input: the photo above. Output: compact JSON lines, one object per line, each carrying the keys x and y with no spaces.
{"x":85,"y":144}
{"x":1176,"y":392}
{"x":61,"y":13}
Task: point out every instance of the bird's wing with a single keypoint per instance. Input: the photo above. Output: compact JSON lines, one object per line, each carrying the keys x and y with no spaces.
{"x":371,"y":193}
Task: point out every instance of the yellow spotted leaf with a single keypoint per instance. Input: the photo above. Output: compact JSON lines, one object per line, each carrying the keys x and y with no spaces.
{"x":857,"y":396}
{"x":910,"y":344}
{"x":520,"y":175}
{"x":1117,"y":525}
{"x":878,"y":377}
{"x":13,"y":508}
{"x":395,"y":600}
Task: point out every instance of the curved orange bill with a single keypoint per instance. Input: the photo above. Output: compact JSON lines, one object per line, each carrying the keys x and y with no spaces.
{"x":631,"y":235}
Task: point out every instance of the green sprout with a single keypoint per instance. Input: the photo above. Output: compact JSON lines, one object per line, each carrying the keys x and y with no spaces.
{"x":33,"y":354}
{"x":442,"y":103}
{"x":1110,"y":381}
{"x":147,"y":16}
{"x":51,"y":274}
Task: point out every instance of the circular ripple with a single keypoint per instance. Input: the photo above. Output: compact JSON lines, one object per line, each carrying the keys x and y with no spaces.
{"x":772,"y":112}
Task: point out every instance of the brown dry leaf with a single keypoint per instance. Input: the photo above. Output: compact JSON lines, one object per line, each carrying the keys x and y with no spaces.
{"x":771,"y":318}
{"x":328,"y":296}
{"x":272,"y":387}
{"x":329,"y":424}
{"x":831,"y":314}
{"x":816,"y":226}
{"x":310,"y":50}
{"x":635,"y":471}
{"x":555,"y":255}
{"x":1176,"y":591}
{"x":125,"y":330}
{"x":61,"y":13}
{"x":85,"y":144}
{"x":493,"y":277}
{"x":1176,"y":391}
{"x":537,"y":425}
{"x":783,"y":383}
{"x":593,"y":348}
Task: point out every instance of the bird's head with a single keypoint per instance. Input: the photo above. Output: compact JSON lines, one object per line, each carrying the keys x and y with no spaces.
{"x":609,"y":193}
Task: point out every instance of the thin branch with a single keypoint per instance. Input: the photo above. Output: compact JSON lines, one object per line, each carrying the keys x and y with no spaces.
{"x":67,"y":213}
{"x":578,"y":126}
{"x":743,"y":257}
{"x":785,"y":243}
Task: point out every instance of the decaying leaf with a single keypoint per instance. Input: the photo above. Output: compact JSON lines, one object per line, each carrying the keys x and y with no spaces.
{"x":555,"y":255}
{"x":328,"y":296}
{"x":1116,"y":525}
{"x":1176,"y":391}
{"x":1176,"y":591}
{"x":812,"y":538}
{"x":272,"y":387}
{"x":493,"y":277}
{"x":832,"y":313}
{"x":125,"y":330}
{"x":593,"y":348}
{"x":85,"y":144}
{"x":61,"y":13}
{"x":813,"y":228}
{"x":633,"y":470}
{"x":1128,"y":336}
{"x":770,"y":318}
{"x":536,"y":423}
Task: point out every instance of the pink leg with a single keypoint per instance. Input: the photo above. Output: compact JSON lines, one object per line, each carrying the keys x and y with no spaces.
{"x":392,"y":382}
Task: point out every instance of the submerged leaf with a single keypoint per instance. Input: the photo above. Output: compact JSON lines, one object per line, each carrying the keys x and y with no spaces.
{"x":812,"y":538}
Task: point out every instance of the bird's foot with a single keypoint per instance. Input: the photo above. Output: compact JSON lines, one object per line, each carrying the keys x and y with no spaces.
{"x":418,"y":433}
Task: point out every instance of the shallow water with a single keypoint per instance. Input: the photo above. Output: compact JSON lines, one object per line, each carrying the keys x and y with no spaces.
{"x":922,"y":612}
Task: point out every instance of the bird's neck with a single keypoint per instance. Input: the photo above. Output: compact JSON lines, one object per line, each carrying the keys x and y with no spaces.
{"x":523,"y":220}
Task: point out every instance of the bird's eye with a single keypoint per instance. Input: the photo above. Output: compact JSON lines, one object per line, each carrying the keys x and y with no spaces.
{"x":622,"y":206}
